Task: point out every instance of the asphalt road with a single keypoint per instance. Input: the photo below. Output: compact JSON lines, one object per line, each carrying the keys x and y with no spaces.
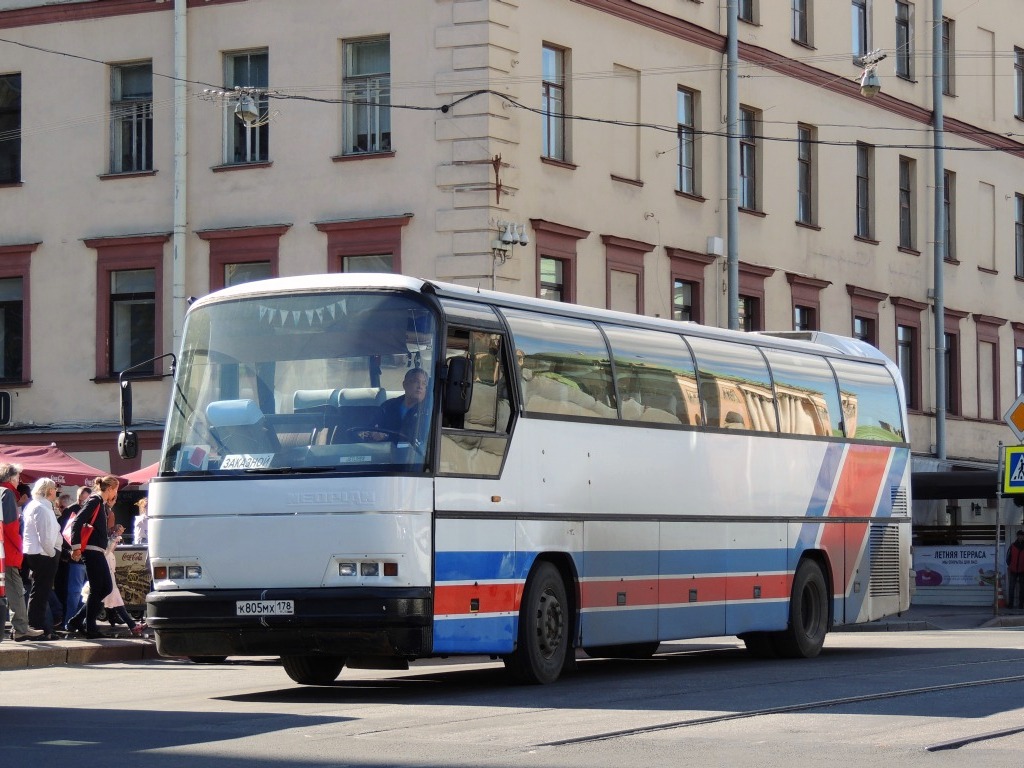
{"x":871,"y":699}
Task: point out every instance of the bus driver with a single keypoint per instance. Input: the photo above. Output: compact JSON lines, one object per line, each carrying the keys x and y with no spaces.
{"x":404,"y":417}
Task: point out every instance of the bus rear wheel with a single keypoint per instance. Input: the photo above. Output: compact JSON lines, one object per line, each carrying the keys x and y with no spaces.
{"x":543,"y":637}
{"x":808,"y":614}
{"x":313,"y":670}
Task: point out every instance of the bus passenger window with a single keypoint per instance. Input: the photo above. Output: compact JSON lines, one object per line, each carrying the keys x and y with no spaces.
{"x":655,"y":377}
{"x":565,"y":368}
{"x":806,"y":390}
{"x":735,"y":385}
{"x":870,"y":402}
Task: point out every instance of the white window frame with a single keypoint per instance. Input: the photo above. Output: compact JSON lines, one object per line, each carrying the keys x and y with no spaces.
{"x":131,"y":122}
{"x":256,"y":137}
{"x":555,"y":97}
{"x":367,"y":97}
{"x":687,"y":178}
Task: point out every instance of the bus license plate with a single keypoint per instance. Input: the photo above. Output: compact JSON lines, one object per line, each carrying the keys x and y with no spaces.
{"x":265,"y":608}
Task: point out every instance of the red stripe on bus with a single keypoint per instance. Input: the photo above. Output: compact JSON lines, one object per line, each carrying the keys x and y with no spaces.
{"x":493,"y":598}
{"x":860,"y":479}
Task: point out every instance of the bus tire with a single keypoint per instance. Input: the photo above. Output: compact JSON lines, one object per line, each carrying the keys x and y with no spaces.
{"x":313,"y":670}
{"x":626,"y":651}
{"x":207,"y":659}
{"x":808,"y":614}
{"x":543,"y":638}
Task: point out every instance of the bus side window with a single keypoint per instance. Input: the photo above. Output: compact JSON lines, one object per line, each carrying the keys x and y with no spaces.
{"x":735,"y":386}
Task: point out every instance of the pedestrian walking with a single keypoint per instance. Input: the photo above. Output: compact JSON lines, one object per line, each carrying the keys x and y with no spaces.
{"x":1015,"y":571}
{"x":76,"y":576}
{"x":42,"y":542}
{"x":13,"y":554}
{"x":91,"y":523}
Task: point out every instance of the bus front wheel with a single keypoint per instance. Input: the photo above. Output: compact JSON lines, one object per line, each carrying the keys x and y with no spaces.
{"x":543,"y":637}
{"x":808,"y":614}
{"x":313,"y":670}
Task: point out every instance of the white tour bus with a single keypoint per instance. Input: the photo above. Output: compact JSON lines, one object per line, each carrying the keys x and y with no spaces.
{"x":575,"y":478}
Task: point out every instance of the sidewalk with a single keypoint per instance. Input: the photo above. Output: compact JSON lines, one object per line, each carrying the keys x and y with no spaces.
{"x":922,"y":618}
{"x":61,"y":652}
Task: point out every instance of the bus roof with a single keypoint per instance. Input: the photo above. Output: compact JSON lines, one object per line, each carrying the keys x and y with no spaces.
{"x":792,"y":340}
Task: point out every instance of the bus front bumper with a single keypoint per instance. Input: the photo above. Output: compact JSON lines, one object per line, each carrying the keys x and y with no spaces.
{"x":329,"y":621}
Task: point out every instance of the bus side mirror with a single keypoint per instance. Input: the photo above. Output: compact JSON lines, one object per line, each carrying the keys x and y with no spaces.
{"x":126,"y":403}
{"x":458,"y":387}
{"x":127,"y":444}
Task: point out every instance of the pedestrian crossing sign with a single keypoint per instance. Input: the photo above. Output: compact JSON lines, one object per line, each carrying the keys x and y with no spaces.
{"x":1013,"y":470}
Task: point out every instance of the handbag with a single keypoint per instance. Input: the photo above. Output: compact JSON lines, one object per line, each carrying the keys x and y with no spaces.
{"x":87,"y":528}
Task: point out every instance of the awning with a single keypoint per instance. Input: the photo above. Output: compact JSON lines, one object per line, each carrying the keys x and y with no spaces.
{"x":49,"y":461}
{"x":962,"y":484}
{"x":142,"y":476}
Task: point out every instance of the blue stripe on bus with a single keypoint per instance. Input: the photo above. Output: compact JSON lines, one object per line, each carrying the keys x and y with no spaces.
{"x":507,"y":566}
{"x":827,"y":474}
{"x":896,"y":469}
{"x":481,"y":634}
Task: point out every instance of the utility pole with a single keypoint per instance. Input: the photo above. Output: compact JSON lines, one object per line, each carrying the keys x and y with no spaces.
{"x":732,"y":91}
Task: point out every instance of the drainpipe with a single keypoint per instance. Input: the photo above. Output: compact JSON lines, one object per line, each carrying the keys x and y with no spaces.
{"x":732,"y":96}
{"x":178,"y":241}
{"x":940,"y":232}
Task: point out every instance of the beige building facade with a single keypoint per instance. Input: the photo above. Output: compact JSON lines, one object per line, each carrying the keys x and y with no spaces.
{"x":411,"y":136}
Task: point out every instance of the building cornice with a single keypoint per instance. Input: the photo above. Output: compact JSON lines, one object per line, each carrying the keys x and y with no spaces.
{"x":99,"y":9}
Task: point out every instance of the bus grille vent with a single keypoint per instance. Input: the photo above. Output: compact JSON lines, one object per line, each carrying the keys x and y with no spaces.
{"x":885,"y":560}
{"x":898,"y":498}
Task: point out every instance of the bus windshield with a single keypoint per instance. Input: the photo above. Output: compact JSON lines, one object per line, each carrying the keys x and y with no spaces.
{"x":304,"y":382}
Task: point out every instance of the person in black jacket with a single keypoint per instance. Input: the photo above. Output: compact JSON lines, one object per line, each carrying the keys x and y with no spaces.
{"x":406,"y":417}
{"x":94,"y":513}
{"x":1015,"y":572}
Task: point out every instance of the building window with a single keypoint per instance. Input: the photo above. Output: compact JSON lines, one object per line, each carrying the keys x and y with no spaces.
{"x":860,"y":28}
{"x":1018,"y":233}
{"x":904,"y":41}
{"x":804,"y":319}
{"x":686,"y":270}
{"x":365,"y":245}
{"x":131,"y":118}
{"x":805,"y":175}
{"x":10,"y":129}
{"x":132,"y":319}
{"x":682,"y":300}
{"x":128,"y":302}
{"x":12,"y":328}
{"x":802,"y":21}
{"x":747,"y":10}
{"x":948,"y":57}
{"x":247,"y":143}
{"x":686,"y":171}
{"x":1018,"y":347}
{"x":864,"y":311}
{"x":906,"y":355}
{"x":865,"y":166}
{"x":554,"y":103}
{"x":864,"y":329}
{"x":949,"y":214}
{"x":987,"y":328}
{"x":908,"y":171}
{"x":552,"y":279}
{"x":748,"y":159}
{"x":367,"y":92}
{"x":951,"y":372}
{"x":1018,"y":83}
{"x":806,"y":293}
{"x":749,"y":310}
{"x":242,"y":255}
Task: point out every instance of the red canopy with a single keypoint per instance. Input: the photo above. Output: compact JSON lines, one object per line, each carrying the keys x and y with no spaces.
{"x":49,"y":461}
{"x":143,"y":475}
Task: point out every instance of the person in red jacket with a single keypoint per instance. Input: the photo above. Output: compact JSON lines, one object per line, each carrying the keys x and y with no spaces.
{"x":1015,"y":571}
{"x":9,"y":475}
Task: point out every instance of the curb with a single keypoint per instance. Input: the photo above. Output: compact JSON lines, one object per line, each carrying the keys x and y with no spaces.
{"x":27,"y":654}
